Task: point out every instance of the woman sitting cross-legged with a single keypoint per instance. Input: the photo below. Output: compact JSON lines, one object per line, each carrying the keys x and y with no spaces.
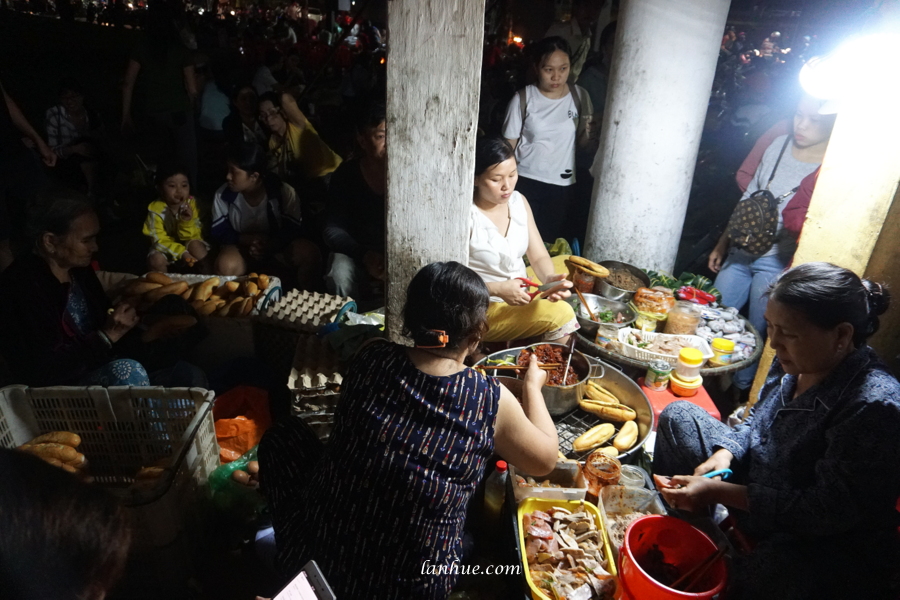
{"x":501,"y":231}
{"x":815,"y":482}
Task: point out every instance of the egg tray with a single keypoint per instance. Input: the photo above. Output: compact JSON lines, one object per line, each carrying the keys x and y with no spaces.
{"x":315,"y":382}
{"x":303,"y":311}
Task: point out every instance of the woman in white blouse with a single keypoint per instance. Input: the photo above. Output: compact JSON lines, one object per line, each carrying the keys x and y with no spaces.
{"x":502,"y":230}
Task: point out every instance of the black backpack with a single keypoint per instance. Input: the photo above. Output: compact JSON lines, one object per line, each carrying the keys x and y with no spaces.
{"x":754,"y":222}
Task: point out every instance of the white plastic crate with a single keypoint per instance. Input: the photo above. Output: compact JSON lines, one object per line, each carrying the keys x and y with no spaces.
{"x":630,"y":351}
{"x":122,"y":430}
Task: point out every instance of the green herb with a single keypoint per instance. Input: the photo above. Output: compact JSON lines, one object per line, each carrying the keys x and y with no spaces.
{"x":606,"y":316}
{"x":643,"y":344}
{"x":499,"y":362}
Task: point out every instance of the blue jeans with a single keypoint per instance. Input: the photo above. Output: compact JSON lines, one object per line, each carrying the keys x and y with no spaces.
{"x":746,"y":278}
{"x":344,"y":275}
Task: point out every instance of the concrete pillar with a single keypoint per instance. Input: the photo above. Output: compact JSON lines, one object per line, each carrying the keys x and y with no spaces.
{"x":661,"y":76}
{"x":433,"y":86}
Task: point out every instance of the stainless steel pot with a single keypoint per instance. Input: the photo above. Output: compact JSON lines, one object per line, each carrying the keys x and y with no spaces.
{"x":618,"y":294}
{"x":560,"y":399}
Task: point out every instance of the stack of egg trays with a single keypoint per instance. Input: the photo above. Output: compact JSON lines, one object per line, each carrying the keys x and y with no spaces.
{"x":277,"y":329}
{"x":315,"y":383}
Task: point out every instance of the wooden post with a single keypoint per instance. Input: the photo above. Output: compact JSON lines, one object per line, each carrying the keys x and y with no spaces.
{"x":433,"y":81}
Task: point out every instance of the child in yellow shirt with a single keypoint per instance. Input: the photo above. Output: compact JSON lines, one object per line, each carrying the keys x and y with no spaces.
{"x":173,"y":222}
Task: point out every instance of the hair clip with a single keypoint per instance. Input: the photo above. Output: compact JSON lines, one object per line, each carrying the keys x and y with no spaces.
{"x":442,"y":337}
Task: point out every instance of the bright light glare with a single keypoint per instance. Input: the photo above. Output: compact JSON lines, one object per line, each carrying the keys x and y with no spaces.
{"x":232,"y":13}
{"x":517,"y":40}
{"x":862,"y":63}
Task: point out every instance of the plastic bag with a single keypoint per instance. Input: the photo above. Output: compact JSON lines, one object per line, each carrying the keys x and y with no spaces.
{"x":231,"y":496}
{"x":241,"y":418}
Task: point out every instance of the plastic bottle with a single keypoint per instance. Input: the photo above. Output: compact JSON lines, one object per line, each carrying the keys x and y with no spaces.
{"x":495,"y":493}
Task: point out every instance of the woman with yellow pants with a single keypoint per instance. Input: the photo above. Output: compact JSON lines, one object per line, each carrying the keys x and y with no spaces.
{"x":501,"y":231}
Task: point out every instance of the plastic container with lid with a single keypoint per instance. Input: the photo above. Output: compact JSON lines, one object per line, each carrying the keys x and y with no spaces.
{"x":722,"y":349}
{"x":683,"y":319}
{"x":689,"y":362}
{"x":685,"y":388}
{"x":631,"y":476}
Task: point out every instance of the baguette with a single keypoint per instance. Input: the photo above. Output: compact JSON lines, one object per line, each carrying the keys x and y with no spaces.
{"x":618,"y":413}
{"x":262,"y":282}
{"x":203,"y":290}
{"x":595,"y":392}
{"x":626,"y":437}
{"x":237,"y":306}
{"x":160,"y":278}
{"x":66,"y":438}
{"x":226,"y":309}
{"x":593,"y":437}
{"x":187,"y":293}
{"x":250,"y":288}
{"x":248,"y":307}
{"x":45,"y":450}
{"x":232,"y":286}
{"x":176,"y":288}
{"x":208,"y":308}
{"x":139,"y":287}
{"x":58,"y":463}
{"x":589,"y":266}
{"x":610,"y":451}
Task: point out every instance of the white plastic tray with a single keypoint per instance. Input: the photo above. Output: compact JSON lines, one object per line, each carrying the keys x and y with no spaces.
{"x":693,"y":341}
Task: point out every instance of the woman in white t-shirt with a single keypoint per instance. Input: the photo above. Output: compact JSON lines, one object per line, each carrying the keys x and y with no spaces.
{"x":543,"y":130}
{"x":501,"y":231}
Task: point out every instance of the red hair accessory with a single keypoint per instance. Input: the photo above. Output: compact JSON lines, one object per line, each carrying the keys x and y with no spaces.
{"x":442,"y":338}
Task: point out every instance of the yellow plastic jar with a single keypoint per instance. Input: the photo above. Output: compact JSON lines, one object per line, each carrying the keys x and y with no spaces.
{"x":689,"y":362}
{"x":685,"y":388}
{"x":722,"y":349}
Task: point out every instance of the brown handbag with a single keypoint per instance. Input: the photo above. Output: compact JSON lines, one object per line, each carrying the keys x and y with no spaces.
{"x":754,"y":223}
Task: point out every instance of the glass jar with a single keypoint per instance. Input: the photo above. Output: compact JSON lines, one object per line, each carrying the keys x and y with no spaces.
{"x":601,"y":470}
{"x":583,"y":282}
{"x":683,"y":319}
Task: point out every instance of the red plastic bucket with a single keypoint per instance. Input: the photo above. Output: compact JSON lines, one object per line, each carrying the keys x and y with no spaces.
{"x":682,"y":545}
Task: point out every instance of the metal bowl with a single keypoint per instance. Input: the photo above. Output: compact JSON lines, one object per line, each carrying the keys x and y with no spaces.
{"x":598,"y":304}
{"x":560,"y":399}
{"x":613,"y":293}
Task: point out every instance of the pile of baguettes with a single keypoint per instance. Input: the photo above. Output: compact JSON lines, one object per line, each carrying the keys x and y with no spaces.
{"x":604,"y":404}
{"x":208,"y":297}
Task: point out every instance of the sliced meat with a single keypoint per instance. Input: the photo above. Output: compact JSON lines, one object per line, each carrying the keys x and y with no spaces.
{"x":539,"y":514}
{"x":540,"y":531}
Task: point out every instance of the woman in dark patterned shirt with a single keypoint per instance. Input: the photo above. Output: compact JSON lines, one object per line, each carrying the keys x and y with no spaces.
{"x":385,"y":500}
{"x":816,"y":476}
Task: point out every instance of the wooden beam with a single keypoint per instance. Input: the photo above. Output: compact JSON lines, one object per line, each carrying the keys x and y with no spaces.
{"x":433,"y":85}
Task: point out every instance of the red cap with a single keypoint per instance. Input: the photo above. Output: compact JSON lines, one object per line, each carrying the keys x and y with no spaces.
{"x":501,"y":465}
